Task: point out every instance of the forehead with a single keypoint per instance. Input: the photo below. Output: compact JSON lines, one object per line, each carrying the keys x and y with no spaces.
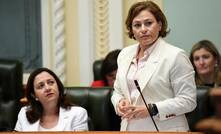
{"x":144,"y":15}
{"x":202,"y":51}
{"x":42,"y":77}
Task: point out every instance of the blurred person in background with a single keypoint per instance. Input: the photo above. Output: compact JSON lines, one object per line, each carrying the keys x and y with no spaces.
{"x":108,"y":70}
{"x":206,"y":61}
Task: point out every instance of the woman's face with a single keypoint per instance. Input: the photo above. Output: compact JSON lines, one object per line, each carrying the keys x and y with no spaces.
{"x":204,"y":62}
{"x":146,"y":28}
{"x":110,"y":77}
{"x":46,"y":88}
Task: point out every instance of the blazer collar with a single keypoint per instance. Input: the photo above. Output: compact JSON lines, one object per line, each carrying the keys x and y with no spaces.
{"x":126,"y":62}
{"x":151,"y":64}
{"x":63,"y":116}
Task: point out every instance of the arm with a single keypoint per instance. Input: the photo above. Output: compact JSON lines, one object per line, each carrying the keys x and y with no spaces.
{"x":80,"y":122}
{"x":20,"y":121}
{"x":183,"y":85}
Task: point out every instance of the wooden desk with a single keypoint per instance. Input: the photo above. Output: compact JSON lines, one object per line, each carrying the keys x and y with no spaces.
{"x":101,"y":132}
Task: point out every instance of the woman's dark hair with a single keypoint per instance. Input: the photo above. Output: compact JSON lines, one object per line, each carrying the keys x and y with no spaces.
{"x":109,"y":64}
{"x":35,"y":109}
{"x":210,"y":47}
{"x":151,"y":7}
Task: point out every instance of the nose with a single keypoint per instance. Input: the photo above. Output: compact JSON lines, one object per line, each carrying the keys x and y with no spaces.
{"x":47,"y":88}
{"x":144,"y":28}
{"x":201,"y":61}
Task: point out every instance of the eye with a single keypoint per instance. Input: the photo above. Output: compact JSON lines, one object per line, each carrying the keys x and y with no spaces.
{"x":148,"y":23}
{"x":206,"y":56}
{"x":50,"y":82}
{"x":40,"y":85}
{"x":136,"y":25}
{"x":196,"y":58}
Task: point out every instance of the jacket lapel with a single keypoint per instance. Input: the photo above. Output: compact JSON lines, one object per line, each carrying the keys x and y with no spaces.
{"x":63,"y":116}
{"x":126,"y":64}
{"x":151,"y":65}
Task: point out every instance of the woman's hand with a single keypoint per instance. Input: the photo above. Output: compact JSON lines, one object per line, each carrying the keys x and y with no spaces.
{"x":135,"y":112}
{"x":128,"y":111}
{"x":123,"y":103}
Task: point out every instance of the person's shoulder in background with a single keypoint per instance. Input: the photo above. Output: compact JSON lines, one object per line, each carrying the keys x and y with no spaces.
{"x":98,"y":83}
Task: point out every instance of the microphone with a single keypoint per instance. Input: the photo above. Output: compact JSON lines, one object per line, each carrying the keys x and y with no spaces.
{"x":138,"y":88}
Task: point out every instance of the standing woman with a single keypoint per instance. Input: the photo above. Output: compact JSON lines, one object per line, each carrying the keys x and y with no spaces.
{"x":163,"y":71}
{"x":206,"y":61}
{"x":49,"y":110}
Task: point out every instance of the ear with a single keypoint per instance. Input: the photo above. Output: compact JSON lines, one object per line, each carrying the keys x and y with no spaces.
{"x":32,"y":95}
{"x":216,"y":63}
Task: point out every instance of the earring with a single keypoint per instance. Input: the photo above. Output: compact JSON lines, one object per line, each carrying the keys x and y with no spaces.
{"x":216,"y":65}
{"x":36,"y":99}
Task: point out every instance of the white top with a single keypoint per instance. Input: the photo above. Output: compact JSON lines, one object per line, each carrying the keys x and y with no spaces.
{"x":75,"y":119}
{"x":47,"y":129}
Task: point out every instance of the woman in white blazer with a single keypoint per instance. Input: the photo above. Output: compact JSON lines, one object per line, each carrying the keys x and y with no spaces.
{"x":49,"y":110}
{"x":164,"y":73}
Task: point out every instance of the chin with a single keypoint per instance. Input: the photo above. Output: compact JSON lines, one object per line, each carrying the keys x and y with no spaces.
{"x":204,"y":73}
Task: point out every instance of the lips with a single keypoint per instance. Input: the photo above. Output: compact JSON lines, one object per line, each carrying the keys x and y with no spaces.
{"x":49,"y":94}
{"x":144,"y":36}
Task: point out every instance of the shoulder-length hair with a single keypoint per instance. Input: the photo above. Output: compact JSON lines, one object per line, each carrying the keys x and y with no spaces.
{"x":35,"y":108}
{"x":210,"y":47}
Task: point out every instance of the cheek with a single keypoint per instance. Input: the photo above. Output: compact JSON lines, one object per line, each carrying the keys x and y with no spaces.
{"x":135,"y":33}
{"x":195,"y":63}
{"x":155,"y":31}
{"x":212,"y":63}
{"x":38,"y":95}
{"x":57,"y":91}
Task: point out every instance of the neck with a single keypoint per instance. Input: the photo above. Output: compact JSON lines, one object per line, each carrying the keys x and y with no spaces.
{"x":51,"y":110}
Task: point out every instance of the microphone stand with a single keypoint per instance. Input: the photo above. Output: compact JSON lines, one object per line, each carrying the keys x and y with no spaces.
{"x":138,"y":88}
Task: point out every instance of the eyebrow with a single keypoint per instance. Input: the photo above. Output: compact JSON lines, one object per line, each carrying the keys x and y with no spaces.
{"x":143,"y":20}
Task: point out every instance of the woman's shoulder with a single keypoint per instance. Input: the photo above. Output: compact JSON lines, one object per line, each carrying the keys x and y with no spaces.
{"x":76,"y":109}
{"x":24,"y":109}
{"x":173,"y":52}
{"x":22,"y":112}
{"x":132,"y":49}
{"x":129,"y":48}
{"x":171,"y":48}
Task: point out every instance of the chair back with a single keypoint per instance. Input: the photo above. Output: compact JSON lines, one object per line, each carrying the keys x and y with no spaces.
{"x":98,"y":105}
{"x":10,"y":92}
{"x":198,"y":113}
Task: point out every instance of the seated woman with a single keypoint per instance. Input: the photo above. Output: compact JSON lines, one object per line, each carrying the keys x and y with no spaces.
{"x":48,"y":109}
{"x":206,"y":61}
{"x":108,"y":70}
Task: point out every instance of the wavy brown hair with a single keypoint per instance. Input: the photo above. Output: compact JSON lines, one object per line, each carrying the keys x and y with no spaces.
{"x":151,"y":7}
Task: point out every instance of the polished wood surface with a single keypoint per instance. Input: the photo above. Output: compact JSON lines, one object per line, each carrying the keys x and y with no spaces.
{"x":101,"y":132}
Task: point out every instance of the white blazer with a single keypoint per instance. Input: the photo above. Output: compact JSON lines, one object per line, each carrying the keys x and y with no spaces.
{"x":74,"y":119}
{"x":166,"y":80}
